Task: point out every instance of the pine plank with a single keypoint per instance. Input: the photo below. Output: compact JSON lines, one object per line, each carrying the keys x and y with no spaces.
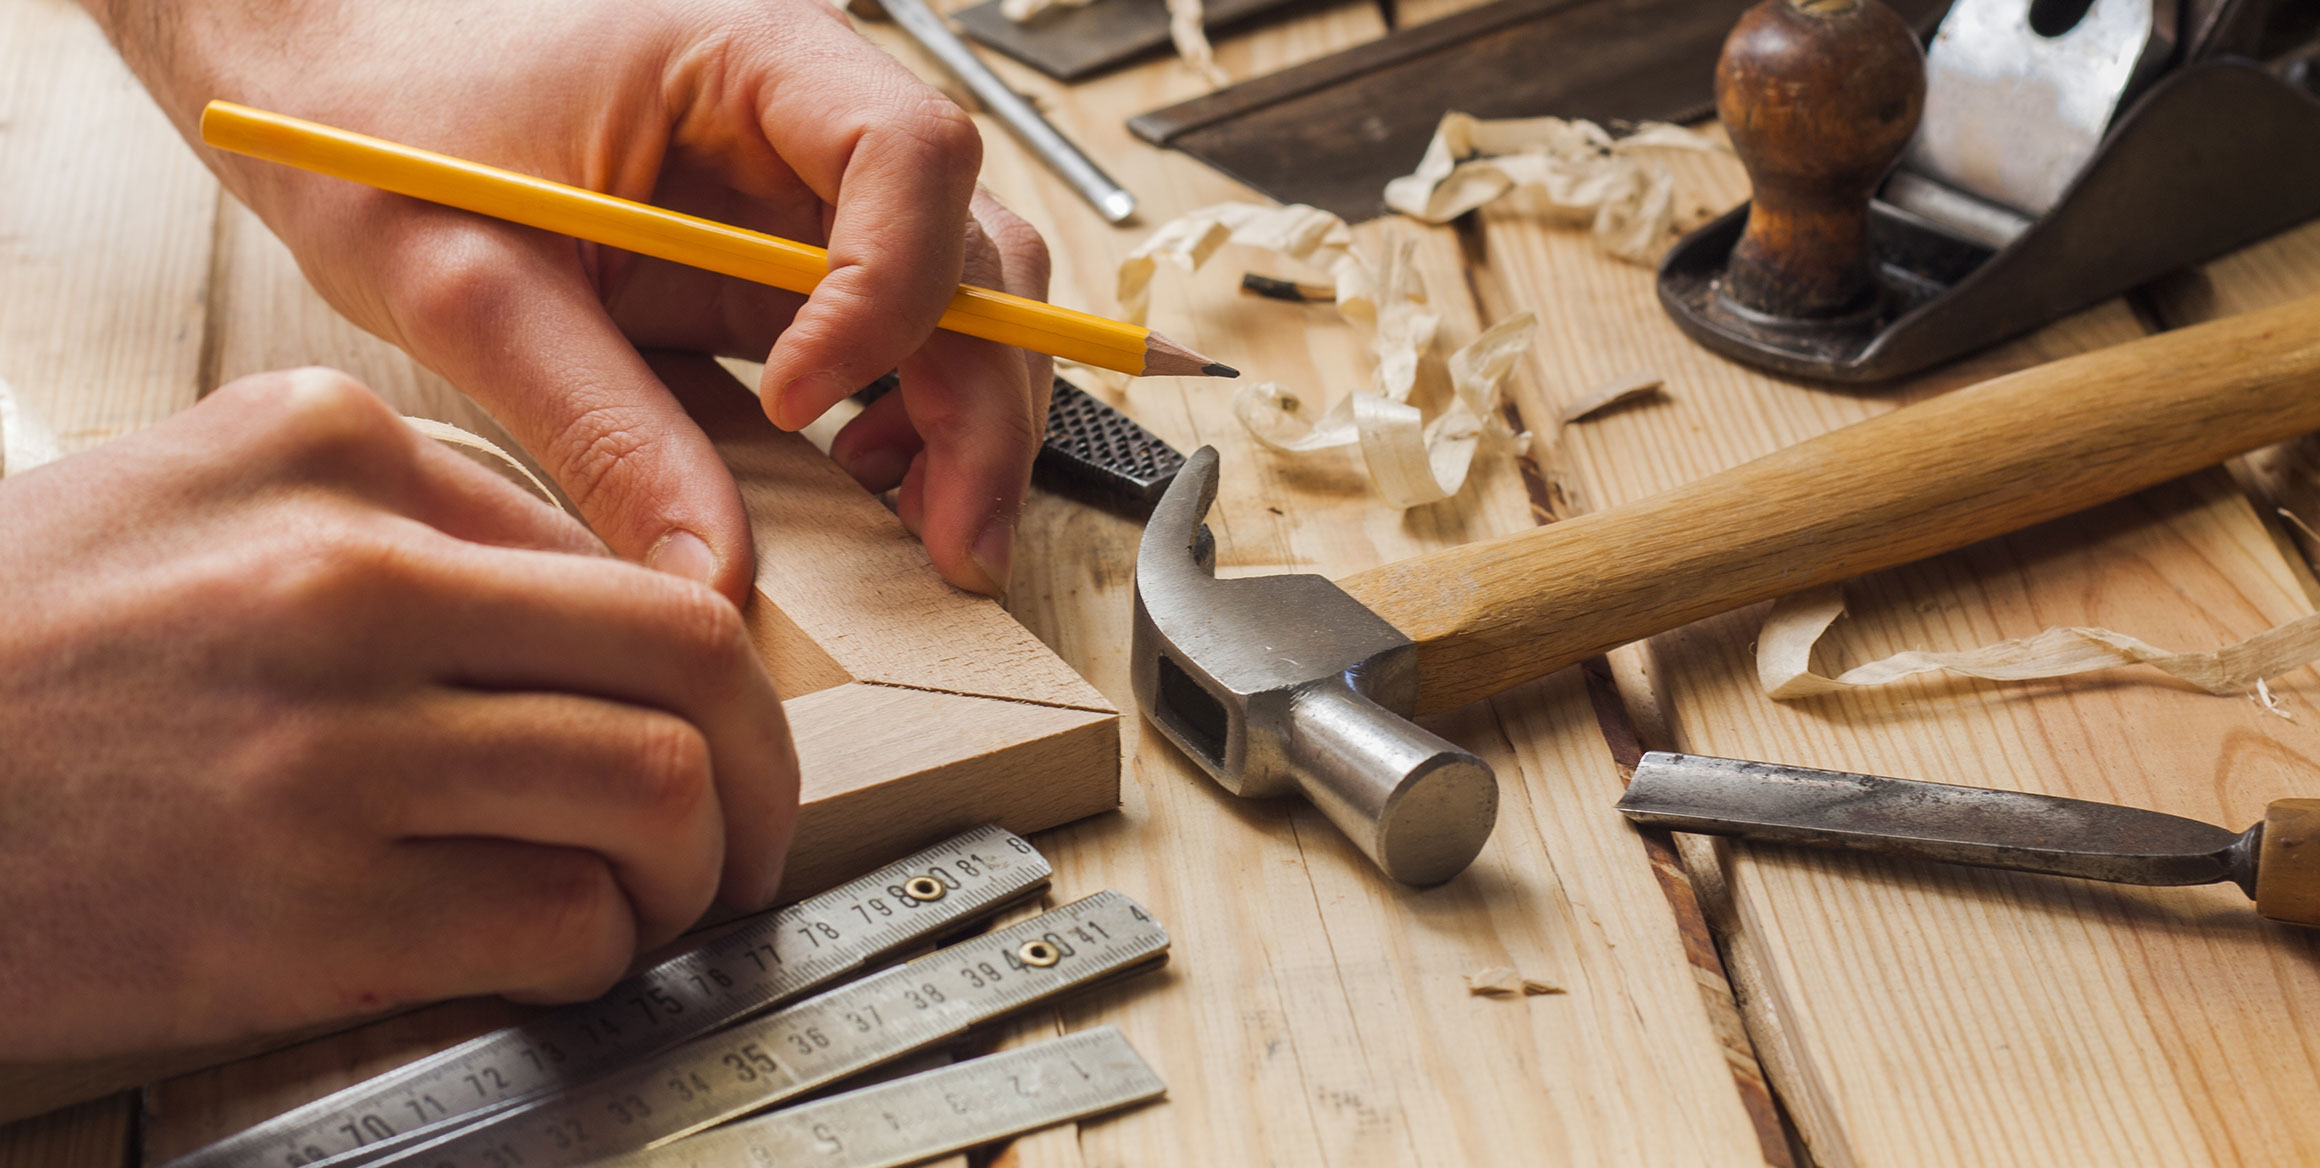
{"x":1313,"y":1013}
{"x":105,"y":226}
{"x":1918,"y":1014}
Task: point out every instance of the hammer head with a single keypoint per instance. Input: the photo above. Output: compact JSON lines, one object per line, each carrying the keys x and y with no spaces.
{"x":1285,"y":684}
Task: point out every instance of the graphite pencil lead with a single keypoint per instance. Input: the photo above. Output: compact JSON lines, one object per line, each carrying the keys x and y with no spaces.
{"x":1166,"y":358}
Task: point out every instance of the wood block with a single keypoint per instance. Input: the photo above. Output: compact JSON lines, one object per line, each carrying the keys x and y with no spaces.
{"x":1922,"y":1014}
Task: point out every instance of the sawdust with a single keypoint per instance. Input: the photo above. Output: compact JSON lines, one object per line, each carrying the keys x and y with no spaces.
{"x":1573,"y":170}
{"x":1413,"y":459}
{"x":1501,"y":981}
{"x":1624,"y":388}
{"x":1796,"y":623}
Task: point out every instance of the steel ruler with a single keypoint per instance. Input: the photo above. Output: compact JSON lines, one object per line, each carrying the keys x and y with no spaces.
{"x":776,"y":957}
{"x":812,"y":1044}
{"x":930,"y":1114}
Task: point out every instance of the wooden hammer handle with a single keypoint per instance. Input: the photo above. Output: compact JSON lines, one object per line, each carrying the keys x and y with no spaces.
{"x":1924,"y":479}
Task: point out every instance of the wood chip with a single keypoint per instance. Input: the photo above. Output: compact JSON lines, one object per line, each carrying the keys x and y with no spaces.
{"x":1625,"y":388}
{"x":1796,"y":623}
{"x":1575,"y":169}
{"x":1501,"y":981}
{"x":1412,"y":459}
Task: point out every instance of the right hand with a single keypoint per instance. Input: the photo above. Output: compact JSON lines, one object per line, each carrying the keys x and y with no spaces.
{"x":305,"y":717}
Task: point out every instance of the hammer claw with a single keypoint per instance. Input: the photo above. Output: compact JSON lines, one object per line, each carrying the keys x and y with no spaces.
{"x":1280,"y":685}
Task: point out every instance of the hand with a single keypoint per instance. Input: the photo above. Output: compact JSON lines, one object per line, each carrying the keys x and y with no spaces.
{"x":307,"y":717}
{"x":771,"y":114}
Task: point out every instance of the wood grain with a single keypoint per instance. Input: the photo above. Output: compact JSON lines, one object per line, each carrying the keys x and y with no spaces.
{"x":1946,"y":472}
{"x":1916,"y":1014}
{"x":1315,"y":1013}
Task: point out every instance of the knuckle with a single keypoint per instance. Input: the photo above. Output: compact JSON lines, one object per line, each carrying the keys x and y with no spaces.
{"x":671,"y":768}
{"x":446,"y":277}
{"x":579,"y":925}
{"x":705,"y":627}
{"x":315,"y":409}
{"x":945,"y":134}
{"x":332,"y":575}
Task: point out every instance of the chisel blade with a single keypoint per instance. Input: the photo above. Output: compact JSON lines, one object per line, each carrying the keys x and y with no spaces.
{"x":1933,"y":821}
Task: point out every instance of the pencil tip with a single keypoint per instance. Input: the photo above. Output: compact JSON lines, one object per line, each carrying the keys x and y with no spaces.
{"x":1219,"y":369}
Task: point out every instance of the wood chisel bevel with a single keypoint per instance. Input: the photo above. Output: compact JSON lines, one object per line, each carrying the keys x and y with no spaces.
{"x":813,"y":1044}
{"x":773,"y":958}
{"x":934,"y":1113}
{"x":2276,"y":862}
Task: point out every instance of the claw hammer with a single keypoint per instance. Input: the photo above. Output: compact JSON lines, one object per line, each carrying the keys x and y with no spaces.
{"x":1294,"y":684}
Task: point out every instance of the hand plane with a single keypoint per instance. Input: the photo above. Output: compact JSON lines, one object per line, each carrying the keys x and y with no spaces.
{"x":2038,"y":157}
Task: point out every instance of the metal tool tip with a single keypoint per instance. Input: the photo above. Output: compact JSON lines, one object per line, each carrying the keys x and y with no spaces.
{"x":1219,"y":369}
{"x":1117,"y":206}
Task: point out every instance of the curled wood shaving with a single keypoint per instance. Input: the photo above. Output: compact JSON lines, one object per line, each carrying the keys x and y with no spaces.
{"x":1625,"y":388}
{"x":1501,"y":981}
{"x":1191,"y":41}
{"x":1023,"y":10}
{"x":1185,"y":31}
{"x":485,"y":453}
{"x":25,"y":440}
{"x":1576,"y":170}
{"x":1784,"y":651}
{"x":1413,"y":459}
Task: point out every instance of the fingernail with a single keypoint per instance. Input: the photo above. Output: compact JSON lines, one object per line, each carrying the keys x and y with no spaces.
{"x":879,"y":468}
{"x":681,"y":553}
{"x":804,"y":399}
{"x":994,"y":553}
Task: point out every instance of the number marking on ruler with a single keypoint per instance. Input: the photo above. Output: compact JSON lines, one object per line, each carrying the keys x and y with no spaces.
{"x":773,"y":958}
{"x":811,"y":1044}
{"x":930,"y":1114}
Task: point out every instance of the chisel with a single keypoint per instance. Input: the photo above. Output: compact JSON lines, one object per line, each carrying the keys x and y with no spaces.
{"x":2277,"y":862}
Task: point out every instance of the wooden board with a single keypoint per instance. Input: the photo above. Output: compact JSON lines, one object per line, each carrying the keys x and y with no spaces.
{"x":1919,"y":1014}
{"x":1314,"y":1012}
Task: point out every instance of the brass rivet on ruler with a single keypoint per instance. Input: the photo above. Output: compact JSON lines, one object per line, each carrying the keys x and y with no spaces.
{"x":1039,"y":953}
{"x":924,"y":888}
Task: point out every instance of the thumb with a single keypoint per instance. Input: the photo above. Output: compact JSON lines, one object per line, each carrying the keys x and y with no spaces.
{"x":507,"y":316}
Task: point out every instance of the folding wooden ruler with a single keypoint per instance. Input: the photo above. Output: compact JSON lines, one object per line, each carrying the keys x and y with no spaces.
{"x":690,"y":1043}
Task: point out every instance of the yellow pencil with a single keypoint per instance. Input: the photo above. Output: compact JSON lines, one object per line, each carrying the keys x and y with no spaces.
{"x":676,"y":237}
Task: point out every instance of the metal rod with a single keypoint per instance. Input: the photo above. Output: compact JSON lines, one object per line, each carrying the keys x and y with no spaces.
{"x":1109,"y":198}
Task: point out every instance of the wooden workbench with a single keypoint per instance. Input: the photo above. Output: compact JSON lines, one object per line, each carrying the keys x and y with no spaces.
{"x":1899,"y":1013}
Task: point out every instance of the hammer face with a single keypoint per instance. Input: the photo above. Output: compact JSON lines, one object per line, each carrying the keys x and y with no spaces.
{"x":1282,"y":685}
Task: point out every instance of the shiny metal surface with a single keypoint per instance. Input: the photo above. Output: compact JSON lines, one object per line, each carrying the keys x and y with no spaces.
{"x":2012,"y":114}
{"x":1109,"y":198}
{"x":1281,"y":685}
{"x":1935,"y":821}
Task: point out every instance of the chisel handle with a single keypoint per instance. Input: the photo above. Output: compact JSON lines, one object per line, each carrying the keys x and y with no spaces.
{"x":1928,"y":478}
{"x":2288,"y":862}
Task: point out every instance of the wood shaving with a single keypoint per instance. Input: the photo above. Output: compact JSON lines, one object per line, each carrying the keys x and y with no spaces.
{"x":25,"y":440}
{"x":1575,"y":169}
{"x":1412,"y":459}
{"x":1501,"y":981}
{"x":1185,"y":30}
{"x":1784,"y":651}
{"x":487,"y":454}
{"x":1627,"y":388}
{"x":1191,"y":41}
{"x":1023,"y":10}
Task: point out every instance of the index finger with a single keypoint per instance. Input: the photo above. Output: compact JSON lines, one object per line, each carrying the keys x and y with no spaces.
{"x":898,"y":160}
